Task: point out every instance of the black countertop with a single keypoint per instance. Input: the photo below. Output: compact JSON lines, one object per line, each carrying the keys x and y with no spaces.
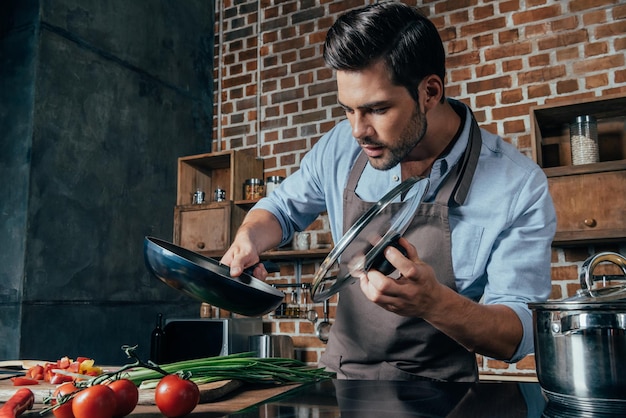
{"x":398,"y":399}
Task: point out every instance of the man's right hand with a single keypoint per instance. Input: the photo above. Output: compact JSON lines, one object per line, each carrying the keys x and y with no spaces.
{"x":259,"y":232}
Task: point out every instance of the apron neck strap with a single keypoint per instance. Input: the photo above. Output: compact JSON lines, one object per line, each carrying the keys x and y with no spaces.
{"x":456,"y":187}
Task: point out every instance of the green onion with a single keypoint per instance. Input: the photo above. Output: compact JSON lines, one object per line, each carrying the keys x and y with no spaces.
{"x":241,"y":366}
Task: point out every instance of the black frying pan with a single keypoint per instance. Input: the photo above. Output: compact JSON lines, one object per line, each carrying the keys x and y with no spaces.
{"x":209,"y":281}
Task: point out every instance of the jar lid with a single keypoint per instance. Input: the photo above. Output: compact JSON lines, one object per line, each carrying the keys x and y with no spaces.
{"x":584,"y":119}
{"x":275,"y":179}
{"x":253,"y":181}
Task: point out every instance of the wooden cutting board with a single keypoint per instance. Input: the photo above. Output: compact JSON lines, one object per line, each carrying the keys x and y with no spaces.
{"x":209,"y":392}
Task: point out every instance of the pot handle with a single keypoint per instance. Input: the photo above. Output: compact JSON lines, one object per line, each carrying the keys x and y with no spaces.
{"x":586,"y":270}
{"x":585,"y":321}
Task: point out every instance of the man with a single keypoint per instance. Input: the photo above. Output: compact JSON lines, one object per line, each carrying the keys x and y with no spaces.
{"x":482,"y":234}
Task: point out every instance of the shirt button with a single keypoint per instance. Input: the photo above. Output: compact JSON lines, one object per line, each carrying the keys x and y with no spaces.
{"x":396,"y":178}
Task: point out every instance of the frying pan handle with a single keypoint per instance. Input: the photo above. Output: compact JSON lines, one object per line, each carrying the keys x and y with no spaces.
{"x":270,"y":266}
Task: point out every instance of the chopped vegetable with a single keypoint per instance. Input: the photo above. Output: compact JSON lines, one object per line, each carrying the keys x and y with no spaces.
{"x":21,"y":401}
{"x":64,"y":370}
{"x":24,"y":381}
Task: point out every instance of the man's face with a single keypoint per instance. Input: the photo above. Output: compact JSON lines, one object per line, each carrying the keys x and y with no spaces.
{"x":385,"y":119}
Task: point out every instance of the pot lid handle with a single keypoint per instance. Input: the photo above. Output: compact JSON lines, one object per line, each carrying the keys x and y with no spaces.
{"x":586,"y":270}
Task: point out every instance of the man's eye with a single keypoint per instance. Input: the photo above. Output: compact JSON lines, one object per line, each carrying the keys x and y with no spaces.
{"x":379,"y":111}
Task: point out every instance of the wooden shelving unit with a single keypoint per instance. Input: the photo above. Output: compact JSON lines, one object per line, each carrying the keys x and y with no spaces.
{"x":590,"y":199}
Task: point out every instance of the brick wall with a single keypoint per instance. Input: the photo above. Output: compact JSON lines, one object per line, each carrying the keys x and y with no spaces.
{"x":273,"y":92}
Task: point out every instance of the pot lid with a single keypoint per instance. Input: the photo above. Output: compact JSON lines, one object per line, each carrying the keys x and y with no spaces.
{"x":605,"y":298}
{"x":380,"y":226}
{"x":610,"y":297}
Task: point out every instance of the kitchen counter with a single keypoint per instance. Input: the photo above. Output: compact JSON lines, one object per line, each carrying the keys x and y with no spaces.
{"x":389,"y":399}
{"x":393,"y":399}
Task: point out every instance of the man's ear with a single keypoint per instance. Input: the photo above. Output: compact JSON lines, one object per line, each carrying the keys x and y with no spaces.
{"x":432,"y":90}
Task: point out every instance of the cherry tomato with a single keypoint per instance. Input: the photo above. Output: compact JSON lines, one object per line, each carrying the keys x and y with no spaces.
{"x":126,"y":396}
{"x":96,"y":401}
{"x":176,"y":397}
{"x":65,"y":410}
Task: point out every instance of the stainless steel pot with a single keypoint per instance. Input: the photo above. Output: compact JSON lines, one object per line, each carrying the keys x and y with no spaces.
{"x":272,"y":345}
{"x":580,"y":342}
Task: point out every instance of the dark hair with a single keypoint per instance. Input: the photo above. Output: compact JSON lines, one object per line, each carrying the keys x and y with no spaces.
{"x":400,"y":35}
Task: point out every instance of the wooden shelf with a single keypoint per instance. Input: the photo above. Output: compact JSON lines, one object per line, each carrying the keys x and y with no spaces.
{"x":550,"y":129}
{"x":589,"y":199}
{"x":210,"y":227}
{"x":293,"y":254}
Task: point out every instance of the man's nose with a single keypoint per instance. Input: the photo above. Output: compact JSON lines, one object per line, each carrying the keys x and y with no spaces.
{"x":360,"y":126}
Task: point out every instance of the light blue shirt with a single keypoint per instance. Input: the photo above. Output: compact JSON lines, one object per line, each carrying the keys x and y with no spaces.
{"x":501,"y":235}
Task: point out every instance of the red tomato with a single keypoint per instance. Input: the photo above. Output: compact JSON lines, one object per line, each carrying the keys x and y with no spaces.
{"x":96,"y":401}
{"x":65,"y":410}
{"x":176,"y":397}
{"x":126,"y":396}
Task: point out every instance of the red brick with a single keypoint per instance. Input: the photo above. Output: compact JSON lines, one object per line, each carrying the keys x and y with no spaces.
{"x":562,"y":40}
{"x":489,"y":84}
{"x":508,"y":36}
{"x":504,"y":112}
{"x":515,"y":64}
{"x":485,"y":100}
{"x":460,"y":75}
{"x":542,"y":74}
{"x":567,"y":54}
{"x":458,"y":18}
{"x":457,"y":46}
{"x":514,"y":126}
{"x":581,"y":5}
{"x":452,"y":5}
{"x":509,"y":50}
{"x":527,"y":363}
{"x":610,"y":30}
{"x":566,"y":86}
{"x":538,"y":90}
{"x":619,"y":12}
{"x":598,"y":64}
{"x":596,"y":81}
{"x":483,"y":26}
{"x":482,"y":12}
{"x":539,"y":60}
{"x":512,"y":96}
{"x":567,"y":23}
{"x":485,"y":70}
{"x":534,"y":15}
{"x":465,"y":59}
{"x":596,"y":48}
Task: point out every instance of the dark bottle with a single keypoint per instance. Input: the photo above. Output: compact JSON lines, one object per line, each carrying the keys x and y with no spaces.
{"x":157,"y":341}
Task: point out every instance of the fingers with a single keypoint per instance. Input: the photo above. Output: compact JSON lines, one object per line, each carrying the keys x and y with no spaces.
{"x":238,"y":260}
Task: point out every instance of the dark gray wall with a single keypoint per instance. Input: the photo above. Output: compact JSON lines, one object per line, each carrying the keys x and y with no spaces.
{"x":97,"y":102}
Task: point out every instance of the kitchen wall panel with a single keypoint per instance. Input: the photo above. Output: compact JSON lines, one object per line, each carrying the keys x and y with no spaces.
{"x":99,"y":99}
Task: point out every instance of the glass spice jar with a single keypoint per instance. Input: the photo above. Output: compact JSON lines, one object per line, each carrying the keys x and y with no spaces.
{"x":584,"y":140}
{"x":272,"y":183}
{"x":253,"y":189}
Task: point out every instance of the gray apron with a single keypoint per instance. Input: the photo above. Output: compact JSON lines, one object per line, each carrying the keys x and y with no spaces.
{"x":369,"y":342}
